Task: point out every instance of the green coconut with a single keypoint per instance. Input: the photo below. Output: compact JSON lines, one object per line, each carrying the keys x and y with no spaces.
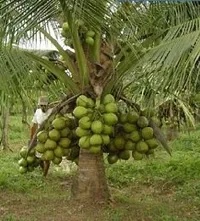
{"x":108,"y":98}
{"x":107,"y":130}
{"x":58,"y":152}
{"x":22,"y":162}
{"x":112,"y":148}
{"x":128,"y":128}
{"x":95,"y":149}
{"x":142,"y":122}
{"x":96,"y":140}
{"x":64,"y":142}
{"x":48,"y":155}
{"x":112,"y":158}
{"x":124,"y":155}
{"x":23,"y":152}
{"x":106,"y":139}
{"x":50,"y":144}
{"x":85,"y":122}
{"x":110,"y":119}
{"x":42,"y":136}
{"x":54,"y":135}
{"x":22,"y":169}
{"x":40,"y":148}
{"x":147,"y":133}
{"x":111,"y":108}
{"x":57,"y":160}
{"x":90,"y":33}
{"x":30,"y":159}
{"x":123,"y":118}
{"x":119,"y":142}
{"x":97,"y":127}
{"x":90,"y":103}
{"x":132,"y":117}
{"x":142,"y":147}
{"x":137,"y":156}
{"x":84,"y":142}
{"x":65,"y":132}
{"x":89,"y":40}
{"x":81,"y":132}
{"x":129,"y":145}
{"x":58,"y":123}
{"x":152,"y":143}
{"x":82,"y":101}
{"x":80,"y":112}
{"x":135,"y":136}
{"x":65,"y":27}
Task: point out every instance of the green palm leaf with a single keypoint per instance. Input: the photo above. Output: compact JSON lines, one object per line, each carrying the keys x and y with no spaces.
{"x":170,"y":42}
{"x":60,"y":74}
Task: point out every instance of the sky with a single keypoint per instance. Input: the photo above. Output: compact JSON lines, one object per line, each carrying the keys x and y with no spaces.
{"x":42,"y":43}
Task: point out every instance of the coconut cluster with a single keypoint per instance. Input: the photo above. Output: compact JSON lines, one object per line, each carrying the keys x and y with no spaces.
{"x":103,"y":128}
{"x":65,"y":31}
{"x":87,"y":35}
{"x":133,"y":137}
{"x":96,"y":125}
{"x":28,"y":161}
{"x":96,"y":121}
{"x":55,"y":141}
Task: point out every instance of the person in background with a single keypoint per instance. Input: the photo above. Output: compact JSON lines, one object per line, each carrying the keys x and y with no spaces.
{"x":40,"y":115}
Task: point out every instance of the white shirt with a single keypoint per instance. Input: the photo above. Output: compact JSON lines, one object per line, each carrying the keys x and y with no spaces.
{"x":39,"y":116}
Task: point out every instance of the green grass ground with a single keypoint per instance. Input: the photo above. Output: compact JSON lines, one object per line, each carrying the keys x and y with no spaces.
{"x":161,"y":189}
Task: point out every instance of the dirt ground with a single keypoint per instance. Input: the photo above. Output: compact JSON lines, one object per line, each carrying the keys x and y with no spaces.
{"x":136,"y":203}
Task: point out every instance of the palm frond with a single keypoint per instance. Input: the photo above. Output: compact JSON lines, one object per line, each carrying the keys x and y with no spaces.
{"x":163,"y":37}
{"x":21,"y":76}
{"x":59,"y":73}
{"x":170,"y":56}
{"x":19,"y":17}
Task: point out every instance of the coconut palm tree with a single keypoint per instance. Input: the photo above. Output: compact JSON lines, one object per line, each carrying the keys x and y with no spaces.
{"x":110,"y":41}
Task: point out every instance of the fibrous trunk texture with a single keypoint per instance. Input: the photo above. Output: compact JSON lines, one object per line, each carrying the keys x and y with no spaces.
{"x":90,"y":183}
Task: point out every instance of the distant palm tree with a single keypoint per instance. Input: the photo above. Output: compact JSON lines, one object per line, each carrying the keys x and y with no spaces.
{"x":158,"y":42}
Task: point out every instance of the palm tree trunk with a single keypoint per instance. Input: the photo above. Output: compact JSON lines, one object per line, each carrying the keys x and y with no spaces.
{"x":5,"y":121}
{"x":90,"y":183}
{"x":24,"y":114}
{"x":24,"y":111}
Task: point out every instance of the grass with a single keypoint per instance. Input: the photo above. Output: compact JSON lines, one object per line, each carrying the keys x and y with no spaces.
{"x":177,"y":170}
{"x":18,"y":132}
{"x":163,"y":188}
